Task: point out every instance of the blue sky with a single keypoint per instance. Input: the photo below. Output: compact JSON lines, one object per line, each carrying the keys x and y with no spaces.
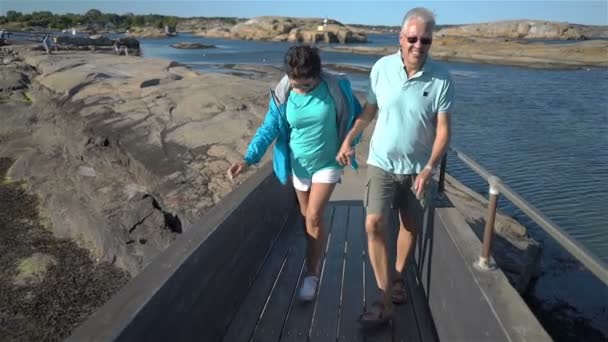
{"x":346,"y":11}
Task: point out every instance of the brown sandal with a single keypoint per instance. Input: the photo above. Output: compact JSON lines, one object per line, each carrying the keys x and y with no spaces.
{"x":398,"y":291}
{"x":376,"y":315}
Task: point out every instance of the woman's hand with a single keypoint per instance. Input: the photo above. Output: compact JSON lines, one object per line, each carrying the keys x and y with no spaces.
{"x":345,"y":153}
{"x":236,"y":169}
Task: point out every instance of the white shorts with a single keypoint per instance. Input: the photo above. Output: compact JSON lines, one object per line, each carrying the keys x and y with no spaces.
{"x":322,"y":176}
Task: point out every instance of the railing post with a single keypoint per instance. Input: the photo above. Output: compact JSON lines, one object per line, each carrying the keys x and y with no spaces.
{"x":485,"y":262}
{"x":441,"y":185}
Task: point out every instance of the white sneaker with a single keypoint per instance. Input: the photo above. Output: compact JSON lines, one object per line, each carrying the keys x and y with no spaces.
{"x":309,"y":288}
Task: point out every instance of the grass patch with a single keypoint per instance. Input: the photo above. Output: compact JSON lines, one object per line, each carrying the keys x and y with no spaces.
{"x":27,"y":99}
{"x":6,"y":181}
{"x":5,"y":164}
{"x":4,"y":99}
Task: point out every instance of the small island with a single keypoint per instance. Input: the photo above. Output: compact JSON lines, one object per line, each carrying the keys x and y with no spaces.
{"x":191,"y":46}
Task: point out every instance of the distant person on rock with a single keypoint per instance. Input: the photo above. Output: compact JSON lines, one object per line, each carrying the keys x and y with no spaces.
{"x":118,"y":49}
{"x":412,"y":97}
{"x":46,"y":43}
{"x":55,"y":44}
{"x":308,"y":116}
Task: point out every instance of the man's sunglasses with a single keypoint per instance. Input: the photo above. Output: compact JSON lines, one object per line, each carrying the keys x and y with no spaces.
{"x":423,"y":40}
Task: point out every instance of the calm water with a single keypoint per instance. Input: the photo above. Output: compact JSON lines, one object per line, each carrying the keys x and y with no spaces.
{"x":544,"y":132}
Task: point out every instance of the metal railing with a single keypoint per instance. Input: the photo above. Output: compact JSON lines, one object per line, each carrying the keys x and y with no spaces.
{"x":496,"y":187}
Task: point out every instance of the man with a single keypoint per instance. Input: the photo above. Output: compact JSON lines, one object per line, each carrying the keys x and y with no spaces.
{"x":412,"y":96}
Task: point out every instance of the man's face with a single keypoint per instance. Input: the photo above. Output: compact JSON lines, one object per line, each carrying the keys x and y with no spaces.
{"x":415,"y":40}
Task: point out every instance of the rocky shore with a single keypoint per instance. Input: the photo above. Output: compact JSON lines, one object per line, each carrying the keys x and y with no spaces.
{"x":504,"y":51}
{"x":118,"y":156}
{"x":528,"y":29}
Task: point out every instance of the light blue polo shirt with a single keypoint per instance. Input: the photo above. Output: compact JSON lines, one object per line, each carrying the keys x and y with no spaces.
{"x":407,"y":113}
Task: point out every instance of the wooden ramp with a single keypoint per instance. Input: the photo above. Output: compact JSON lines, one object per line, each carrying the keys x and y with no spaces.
{"x":271,"y":310}
{"x":235,"y":277}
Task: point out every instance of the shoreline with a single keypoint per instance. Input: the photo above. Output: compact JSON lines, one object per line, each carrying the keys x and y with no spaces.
{"x":580,"y":55}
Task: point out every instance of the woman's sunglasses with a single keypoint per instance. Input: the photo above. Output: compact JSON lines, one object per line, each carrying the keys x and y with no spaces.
{"x":304,"y":86}
{"x":423,"y":40}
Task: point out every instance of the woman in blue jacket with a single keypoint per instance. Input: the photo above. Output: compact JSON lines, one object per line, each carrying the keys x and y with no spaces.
{"x":309,"y":114}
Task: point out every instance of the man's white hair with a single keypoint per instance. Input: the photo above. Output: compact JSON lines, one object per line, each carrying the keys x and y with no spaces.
{"x":422,"y":14}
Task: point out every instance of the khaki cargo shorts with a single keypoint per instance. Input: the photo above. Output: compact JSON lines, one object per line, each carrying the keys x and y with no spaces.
{"x":385,"y":190}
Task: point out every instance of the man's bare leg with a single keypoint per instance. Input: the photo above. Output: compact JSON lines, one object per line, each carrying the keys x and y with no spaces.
{"x":376,"y":246}
{"x":405,"y":240}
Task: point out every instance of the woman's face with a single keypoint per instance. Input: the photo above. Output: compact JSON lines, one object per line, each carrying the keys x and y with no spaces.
{"x":303,"y":86}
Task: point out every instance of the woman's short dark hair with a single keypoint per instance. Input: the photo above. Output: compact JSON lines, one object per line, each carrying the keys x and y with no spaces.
{"x":302,"y":62}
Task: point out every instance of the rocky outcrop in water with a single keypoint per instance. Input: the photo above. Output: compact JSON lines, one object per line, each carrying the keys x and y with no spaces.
{"x":147,"y":32}
{"x":518,"y":29}
{"x":191,"y":46}
{"x":307,"y":31}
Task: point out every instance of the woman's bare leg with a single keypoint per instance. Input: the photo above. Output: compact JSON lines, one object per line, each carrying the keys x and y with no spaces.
{"x":317,"y":201}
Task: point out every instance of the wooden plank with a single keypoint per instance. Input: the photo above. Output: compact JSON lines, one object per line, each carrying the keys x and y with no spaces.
{"x":405,"y":327}
{"x":224,"y":265}
{"x":353,"y":299}
{"x":298,"y":321}
{"x":244,"y":322}
{"x":372,"y":294}
{"x":454,"y":290}
{"x":271,"y":321}
{"x":221,"y":286}
{"x":324,"y":325}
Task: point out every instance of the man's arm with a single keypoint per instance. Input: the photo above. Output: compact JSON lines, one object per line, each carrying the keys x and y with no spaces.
{"x":442,"y":140}
{"x":346,"y":150}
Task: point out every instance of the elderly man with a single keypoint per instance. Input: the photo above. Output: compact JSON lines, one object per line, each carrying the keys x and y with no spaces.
{"x":412,"y":96}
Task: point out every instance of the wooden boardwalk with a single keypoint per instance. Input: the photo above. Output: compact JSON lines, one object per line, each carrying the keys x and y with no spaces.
{"x":271,"y":311}
{"x":236,"y":277}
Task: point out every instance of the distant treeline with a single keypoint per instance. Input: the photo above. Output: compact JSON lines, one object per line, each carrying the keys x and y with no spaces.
{"x":96,"y":20}
{"x":92,"y":19}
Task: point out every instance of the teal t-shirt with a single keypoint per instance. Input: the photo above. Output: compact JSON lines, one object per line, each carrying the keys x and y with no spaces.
{"x":314,"y":132}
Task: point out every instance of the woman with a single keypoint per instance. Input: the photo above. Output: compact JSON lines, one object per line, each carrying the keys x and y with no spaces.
{"x":309,"y":114}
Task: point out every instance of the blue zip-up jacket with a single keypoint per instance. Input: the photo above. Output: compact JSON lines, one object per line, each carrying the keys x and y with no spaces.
{"x":275,"y":125}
